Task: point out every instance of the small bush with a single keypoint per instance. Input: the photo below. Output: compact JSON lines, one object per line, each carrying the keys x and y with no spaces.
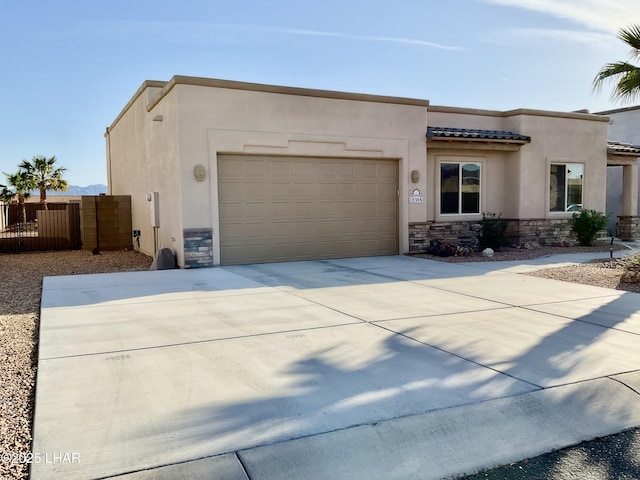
{"x":587,"y":224}
{"x":494,"y":231}
{"x":448,"y":250}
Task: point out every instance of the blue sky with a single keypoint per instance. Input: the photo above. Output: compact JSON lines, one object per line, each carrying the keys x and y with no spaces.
{"x":69,"y":67}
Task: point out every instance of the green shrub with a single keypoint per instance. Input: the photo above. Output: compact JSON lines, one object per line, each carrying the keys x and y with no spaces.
{"x":587,"y":224}
{"x":494,"y":231}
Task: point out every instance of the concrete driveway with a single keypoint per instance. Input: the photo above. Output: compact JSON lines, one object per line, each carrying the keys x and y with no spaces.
{"x":372,"y":368}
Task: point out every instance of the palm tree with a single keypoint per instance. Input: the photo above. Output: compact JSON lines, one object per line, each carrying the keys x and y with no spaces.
{"x":5,"y":197}
{"x":625,"y":74}
{"x":23,"y":183}
{"x":45,"y":176}
{"x":5,"y":194}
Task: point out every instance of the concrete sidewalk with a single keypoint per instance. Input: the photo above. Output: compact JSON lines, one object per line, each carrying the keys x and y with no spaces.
{"x":373,"y":368}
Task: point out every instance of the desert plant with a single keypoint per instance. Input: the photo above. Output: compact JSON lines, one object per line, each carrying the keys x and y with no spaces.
{"x":22,"y":184}
{"x":6,"y":195}
{"x":45,"y":175}
{"x":493,"y":233}
{"x":586,"y":225}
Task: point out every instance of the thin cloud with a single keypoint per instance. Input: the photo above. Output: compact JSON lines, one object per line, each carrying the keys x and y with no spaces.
{"x":601,"y":15}
{"x":408,"y":41}
{"x":509,"y":35}
{"x":199,"y":32}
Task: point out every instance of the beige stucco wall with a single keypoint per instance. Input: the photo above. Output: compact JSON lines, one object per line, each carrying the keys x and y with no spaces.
{"x":215,"y":120}
{"x":624,"y":126}
{"x":142,"y":157}
{"x":516,"y":183}
{"x":575,"y":138}
{"x":169,"y":128}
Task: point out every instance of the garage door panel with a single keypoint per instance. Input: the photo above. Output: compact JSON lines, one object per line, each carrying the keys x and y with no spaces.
{"x":301,"y":191}
{"x":235,"y":210}
{"x":347,"y":171}
{"x":255,"y":168}
{"x":368,"y":190}
{"x":288,"y":208}
{"x":367,"y":210}
{"x":327,"y":170}
{"x":281,"y":170}
{"x":302,"y":231}
{"x":279,"y":211}
{"x":280,"y":192}
{"x":231,"y":170}
{"x":305,"y":170}
{"x":368,"y":171}
{"x":346,"y":191}
{"x":327,"y":209}
{"x":387,"y":191}
{"x":386,"y":171}
{"x":384,"y":209}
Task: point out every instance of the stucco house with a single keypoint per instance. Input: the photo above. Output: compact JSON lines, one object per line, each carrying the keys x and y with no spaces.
{"x":624,"y":135}
{"x":226,"y":172}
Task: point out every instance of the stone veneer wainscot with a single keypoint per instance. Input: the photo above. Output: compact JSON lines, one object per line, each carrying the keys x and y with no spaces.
{"x":198,"y":247}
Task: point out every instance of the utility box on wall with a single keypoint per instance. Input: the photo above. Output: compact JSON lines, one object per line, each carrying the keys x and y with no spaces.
{"x":106,"y":222}
{"x":154,"y":198}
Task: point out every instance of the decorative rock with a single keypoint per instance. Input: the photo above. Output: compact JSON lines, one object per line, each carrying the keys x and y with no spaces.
{"x":488,"y":252}
{"x":164,"y":260}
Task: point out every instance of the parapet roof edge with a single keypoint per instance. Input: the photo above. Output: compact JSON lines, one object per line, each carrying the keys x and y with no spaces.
{"x":619,"y":110}
{"x":146,"y":84}
{"x":519,"y":111}
{"x":258,"y":87}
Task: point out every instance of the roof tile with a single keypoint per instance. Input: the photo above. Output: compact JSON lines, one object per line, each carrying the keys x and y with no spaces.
{"x":475,"y":134}
{"x":622,"y":148}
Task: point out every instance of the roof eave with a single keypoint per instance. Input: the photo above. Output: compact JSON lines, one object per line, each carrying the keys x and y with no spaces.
{"x":479,"y":140}
{"x":476,"y":144}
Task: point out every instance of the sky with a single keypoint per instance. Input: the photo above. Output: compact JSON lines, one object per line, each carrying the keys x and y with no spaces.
{"x":69,"y":67}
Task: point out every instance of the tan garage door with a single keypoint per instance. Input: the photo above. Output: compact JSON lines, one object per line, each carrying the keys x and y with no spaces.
{"x":275,"y":209}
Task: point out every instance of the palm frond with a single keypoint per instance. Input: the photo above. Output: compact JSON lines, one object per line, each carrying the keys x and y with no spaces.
{"x":631,"y":36}
{"x":625,"y":75}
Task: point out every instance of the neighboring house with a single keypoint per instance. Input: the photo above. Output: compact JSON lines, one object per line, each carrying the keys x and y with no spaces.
{"x":624,"y":135}
{"x":226,"y":172}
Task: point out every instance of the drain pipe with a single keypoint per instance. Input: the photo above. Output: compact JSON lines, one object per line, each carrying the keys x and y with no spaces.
{"x":108,"y":137}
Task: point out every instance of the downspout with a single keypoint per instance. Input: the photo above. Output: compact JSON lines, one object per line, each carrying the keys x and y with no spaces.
{"x":108,"y":137}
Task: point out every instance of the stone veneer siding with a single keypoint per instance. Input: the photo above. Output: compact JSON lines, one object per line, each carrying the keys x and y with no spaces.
{"x":455,"y":233}
{"x":198,"y":247}
{"x":542,"y":231}
{"x":629,"y":228}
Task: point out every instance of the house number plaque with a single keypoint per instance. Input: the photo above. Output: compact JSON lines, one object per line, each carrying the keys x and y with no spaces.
{"x":416,"y":196}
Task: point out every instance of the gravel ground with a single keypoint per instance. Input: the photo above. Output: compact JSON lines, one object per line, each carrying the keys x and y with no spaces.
{"x":19,"y":315}
{"x":601,"y":273}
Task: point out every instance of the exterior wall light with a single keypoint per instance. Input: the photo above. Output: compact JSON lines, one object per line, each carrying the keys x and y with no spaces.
{"x":415,"y":176}
{"x":199,"y":172}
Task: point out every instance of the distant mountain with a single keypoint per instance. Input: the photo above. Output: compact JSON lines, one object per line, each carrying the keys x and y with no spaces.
{"x":74,"y":190}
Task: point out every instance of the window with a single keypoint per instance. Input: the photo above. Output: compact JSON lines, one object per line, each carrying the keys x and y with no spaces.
{"x":459,"y":188}
{"x":565,"y":188}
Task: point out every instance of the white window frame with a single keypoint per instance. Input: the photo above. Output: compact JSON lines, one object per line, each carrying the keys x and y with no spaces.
{"x":459,"y":164}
